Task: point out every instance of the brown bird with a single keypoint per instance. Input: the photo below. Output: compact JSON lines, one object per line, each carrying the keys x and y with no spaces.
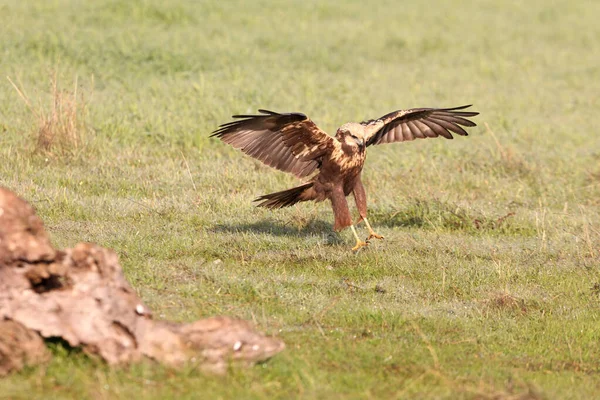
{"x":291,"y":142}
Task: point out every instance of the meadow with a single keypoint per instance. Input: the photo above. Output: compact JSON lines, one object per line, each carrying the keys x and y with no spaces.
{"x":487,"y":284}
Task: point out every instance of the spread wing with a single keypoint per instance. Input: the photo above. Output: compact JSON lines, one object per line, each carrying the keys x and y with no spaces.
{"x":290,"y":142}
{"x":418,"y":123}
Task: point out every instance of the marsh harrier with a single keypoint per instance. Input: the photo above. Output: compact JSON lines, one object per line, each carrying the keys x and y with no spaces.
{"x":291,"y":142}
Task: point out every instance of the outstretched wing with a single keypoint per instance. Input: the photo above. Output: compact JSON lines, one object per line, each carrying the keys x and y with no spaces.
{"x":290,"y":142}
{"x":418,"y":123}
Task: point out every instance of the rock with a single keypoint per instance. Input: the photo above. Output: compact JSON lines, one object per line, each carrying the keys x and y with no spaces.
{"x":21,"y":231}
{"x":82,"y":296}
{"x":19,"y":347}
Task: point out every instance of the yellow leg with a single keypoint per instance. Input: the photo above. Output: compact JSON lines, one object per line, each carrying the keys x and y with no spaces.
{"x":359,"y":243}
{"x":372,"y":233}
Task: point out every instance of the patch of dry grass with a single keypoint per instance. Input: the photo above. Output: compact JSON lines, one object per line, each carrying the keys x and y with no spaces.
{"x":59,"y":128}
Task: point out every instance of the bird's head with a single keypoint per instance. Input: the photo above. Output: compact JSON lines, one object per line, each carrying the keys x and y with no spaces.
{"x":352,"y":135}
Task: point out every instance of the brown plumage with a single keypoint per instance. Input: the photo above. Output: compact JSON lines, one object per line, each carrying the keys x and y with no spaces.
{"x":292,"y":143}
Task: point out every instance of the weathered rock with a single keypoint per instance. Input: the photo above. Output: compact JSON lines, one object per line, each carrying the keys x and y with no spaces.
{"x":20,"y":346}
{"x":81,"y":296}
{"x":22,"y":235}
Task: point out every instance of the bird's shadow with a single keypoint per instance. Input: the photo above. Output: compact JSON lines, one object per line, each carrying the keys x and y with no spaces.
{"x":416,"y":215}
{"x":312,"y":228}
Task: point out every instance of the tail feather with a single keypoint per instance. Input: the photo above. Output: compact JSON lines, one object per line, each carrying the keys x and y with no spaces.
{"x":287,"y":197}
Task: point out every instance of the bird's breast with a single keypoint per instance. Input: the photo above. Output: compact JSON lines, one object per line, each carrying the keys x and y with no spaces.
{"x":352,"y":162}
{"x":341,"y":168}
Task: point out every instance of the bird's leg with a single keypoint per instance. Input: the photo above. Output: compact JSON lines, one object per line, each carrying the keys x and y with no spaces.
{"x":359,"y":243}
{"x":360,"y":196}
{"x":343,"y":219}
{"x":372,"y":233}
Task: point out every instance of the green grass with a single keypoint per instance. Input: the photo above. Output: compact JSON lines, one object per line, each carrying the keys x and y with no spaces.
{"x":484,"y":285}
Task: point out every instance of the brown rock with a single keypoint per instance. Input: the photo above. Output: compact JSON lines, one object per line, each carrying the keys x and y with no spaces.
{"x":19,"y":347}
{"x":22,"y":235}
{"x":81,"y":295}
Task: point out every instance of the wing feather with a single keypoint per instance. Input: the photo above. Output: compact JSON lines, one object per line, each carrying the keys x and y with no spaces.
{"x":290,"y":142}
{"x":456,"y":119}
{"x":418,"y":123}
{"x":449,"y":126}
{"x":406,"y":133}
{"x":438,"y":129}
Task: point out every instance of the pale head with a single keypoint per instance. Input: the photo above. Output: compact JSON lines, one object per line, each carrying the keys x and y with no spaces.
{"x":352,"y":135}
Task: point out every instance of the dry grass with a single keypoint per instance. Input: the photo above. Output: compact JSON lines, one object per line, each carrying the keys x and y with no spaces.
{"x":60,"y":129}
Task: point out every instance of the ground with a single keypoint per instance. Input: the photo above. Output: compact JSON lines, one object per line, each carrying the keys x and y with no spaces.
{"x":487,"y":284}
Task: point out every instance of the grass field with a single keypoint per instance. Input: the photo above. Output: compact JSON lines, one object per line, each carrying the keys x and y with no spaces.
{"x":488,"y":282}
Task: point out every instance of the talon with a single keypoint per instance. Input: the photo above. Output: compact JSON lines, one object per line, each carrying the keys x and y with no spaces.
{"x":374,"y":235}
{"x":359,"y":245}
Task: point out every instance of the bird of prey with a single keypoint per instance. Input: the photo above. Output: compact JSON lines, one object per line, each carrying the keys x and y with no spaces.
{"x":291,"y":142}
